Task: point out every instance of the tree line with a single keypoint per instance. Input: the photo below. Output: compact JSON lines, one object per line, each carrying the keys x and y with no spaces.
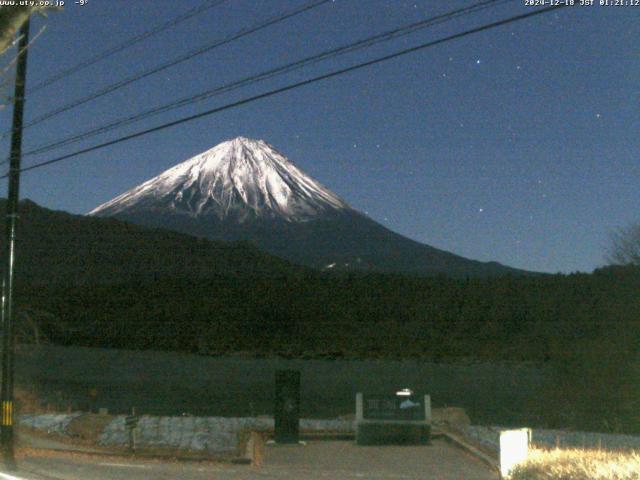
{"x":585,"y":326}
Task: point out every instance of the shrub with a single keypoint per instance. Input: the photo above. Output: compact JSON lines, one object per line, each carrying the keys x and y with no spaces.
{"x":575,"y":464}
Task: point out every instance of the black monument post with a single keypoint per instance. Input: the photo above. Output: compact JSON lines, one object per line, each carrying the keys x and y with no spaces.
{"x":287,"y":407}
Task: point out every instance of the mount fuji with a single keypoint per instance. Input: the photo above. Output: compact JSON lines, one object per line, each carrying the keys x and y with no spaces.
{"x":245,"y":190}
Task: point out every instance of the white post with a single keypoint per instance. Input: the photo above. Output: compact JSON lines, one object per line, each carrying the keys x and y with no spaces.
{"x":514,"y":449}
{"x":427,"y":409}
{"x":359,"y":407}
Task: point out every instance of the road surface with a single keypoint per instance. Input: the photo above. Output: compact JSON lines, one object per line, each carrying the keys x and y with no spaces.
{"x":334,"y":460}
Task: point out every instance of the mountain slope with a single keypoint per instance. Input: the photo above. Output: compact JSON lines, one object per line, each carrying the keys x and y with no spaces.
{"x":245,"y":190}
{"x":58,"y":248}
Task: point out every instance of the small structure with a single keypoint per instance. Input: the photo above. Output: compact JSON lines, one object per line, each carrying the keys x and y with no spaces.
{"x":287,"y":406}
{"x":400,"y":419}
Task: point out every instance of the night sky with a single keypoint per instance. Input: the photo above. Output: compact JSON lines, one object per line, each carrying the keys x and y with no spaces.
{"x":519,"y":144}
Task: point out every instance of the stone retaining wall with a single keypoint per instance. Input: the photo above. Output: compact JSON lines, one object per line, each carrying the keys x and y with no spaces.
{"x":198,"y":434}
{"x":48,"y":422}
{"x":211,"y":434}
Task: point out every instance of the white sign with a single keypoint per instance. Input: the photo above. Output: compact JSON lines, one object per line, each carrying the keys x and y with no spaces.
{"x":514,"y":448}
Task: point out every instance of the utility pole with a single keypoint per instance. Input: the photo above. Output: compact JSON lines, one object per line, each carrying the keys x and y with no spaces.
{"x":6,"y":387}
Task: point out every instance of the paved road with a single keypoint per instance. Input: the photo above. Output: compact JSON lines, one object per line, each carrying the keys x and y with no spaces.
{"x":314,"y":461}
{"x":345,"y":460}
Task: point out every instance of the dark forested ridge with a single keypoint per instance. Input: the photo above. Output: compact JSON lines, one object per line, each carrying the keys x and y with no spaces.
{"x":55,"y":248}
{"x":116,"y":285}
{"x":351,"y":315}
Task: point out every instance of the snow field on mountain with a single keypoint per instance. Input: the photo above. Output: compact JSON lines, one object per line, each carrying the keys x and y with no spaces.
{"x":239,"y":177}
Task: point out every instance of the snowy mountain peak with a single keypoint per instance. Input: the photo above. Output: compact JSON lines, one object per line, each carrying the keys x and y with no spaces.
{"x":238,"y":179}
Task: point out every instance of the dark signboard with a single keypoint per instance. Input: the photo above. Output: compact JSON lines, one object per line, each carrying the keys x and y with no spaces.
{"x":287,"y":407}
{"x":393,"y":407}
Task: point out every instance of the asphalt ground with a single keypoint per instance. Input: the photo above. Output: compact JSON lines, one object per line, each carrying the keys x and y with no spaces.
{"x":335,"y":460}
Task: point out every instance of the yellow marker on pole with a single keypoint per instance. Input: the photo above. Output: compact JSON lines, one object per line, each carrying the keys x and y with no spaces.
{"x":7,"y":413}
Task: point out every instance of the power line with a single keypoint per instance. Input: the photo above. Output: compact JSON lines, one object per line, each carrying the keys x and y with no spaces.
{"x":327,"y":54}
{"x":14,"y":60}
{"x":183,"y":58}
{"x":208,"y":4}
{"x":295,"y":85}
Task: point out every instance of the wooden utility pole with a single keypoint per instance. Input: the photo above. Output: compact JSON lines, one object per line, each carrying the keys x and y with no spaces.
{"x":6,"y":387}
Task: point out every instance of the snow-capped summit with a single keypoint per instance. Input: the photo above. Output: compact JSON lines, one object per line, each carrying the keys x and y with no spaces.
{"x":236,"y":180}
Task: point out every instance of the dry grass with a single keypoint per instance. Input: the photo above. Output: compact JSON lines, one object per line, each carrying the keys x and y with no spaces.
{"x":561,"y":464}
{"x":88,"y":427}
{"x":27,"y":401}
